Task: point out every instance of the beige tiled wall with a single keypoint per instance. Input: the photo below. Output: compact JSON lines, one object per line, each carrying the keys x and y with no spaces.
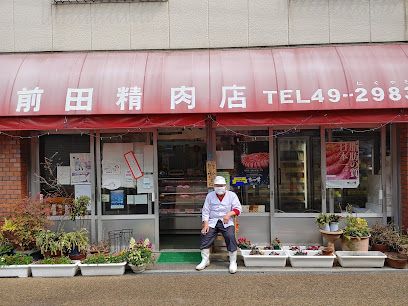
{"x":32,"y":20}
{"x":349,"y":21}
{"x":387,"y":20}
{"x":6,"y":26}
{"x":308,"y":22}
{"x":228,"y":23}
{"x":268,"y":22}
{"x":37,"y":25}
{"x":188,"y":24}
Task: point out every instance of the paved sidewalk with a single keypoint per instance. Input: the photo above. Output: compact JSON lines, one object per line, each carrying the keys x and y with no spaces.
{"x":210,"y":289}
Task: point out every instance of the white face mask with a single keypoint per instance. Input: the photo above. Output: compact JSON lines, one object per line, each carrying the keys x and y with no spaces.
{"x":220,"y":190}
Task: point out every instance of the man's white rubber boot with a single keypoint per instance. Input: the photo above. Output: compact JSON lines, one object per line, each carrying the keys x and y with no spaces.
{"x":233,"y":262}
{"x":205,"y":260}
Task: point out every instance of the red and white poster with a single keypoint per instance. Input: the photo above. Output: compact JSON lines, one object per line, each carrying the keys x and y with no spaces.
{"x":133,"y":165}
{"x":342,"y":164}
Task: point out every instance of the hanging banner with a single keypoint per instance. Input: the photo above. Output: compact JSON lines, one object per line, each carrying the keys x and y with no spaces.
{"x":342,"y":164}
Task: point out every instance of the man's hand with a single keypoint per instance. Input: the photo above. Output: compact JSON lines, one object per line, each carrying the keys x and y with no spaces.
{"x":228,"y":216}
{"x":205,"y":228}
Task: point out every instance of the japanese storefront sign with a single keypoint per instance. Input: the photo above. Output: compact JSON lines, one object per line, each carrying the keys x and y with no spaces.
{"x":342,"y":164}
{"x":215,"y":81}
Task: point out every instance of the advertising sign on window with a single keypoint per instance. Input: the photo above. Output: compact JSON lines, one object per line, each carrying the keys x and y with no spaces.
{"x":342,"y":164}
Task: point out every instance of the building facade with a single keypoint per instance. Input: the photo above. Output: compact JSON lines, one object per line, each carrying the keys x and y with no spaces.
{"x":301,"y":105}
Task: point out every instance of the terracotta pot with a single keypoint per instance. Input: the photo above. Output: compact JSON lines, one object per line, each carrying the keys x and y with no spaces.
{"x":380,"y":247}
{"x":327,"y":251}
{"x":396,"y":260}
{"x":355,"y":244}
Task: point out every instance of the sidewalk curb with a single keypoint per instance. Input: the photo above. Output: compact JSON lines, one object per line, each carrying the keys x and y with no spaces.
{"x":281,"y":271}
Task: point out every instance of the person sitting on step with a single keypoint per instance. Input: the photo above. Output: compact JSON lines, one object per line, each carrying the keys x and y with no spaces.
{"x":219,"y":207}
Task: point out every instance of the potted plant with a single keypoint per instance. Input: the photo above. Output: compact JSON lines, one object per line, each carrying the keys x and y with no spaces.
{"x":264,"y":258}
{"x":100,"y":247}
{"x":383,"y":237}
{"x":334,"y":222}
{"x":49,"y":243}
{"x":276,"y":244}
{"x":100,"y":264}
{"x":399,"y":260}
{"x":244,"y":243}
{"x":139,"y":254}
{"x":15,"y":265}
{"x":76,"y":243}
{"x":303,"y":258}
{"x":323,"y":221}
{"x":28,"y":218}
{"x":54,"y":267}
{"x":356,"y":234}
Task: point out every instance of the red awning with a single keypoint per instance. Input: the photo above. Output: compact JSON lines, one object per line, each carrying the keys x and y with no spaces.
{"x":61,"y":87}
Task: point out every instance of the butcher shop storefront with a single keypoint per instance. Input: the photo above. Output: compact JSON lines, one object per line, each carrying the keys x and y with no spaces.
{"x":295,"y":132}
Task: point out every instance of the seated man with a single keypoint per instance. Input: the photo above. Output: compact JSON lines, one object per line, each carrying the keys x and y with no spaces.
{"x":219,"y":206}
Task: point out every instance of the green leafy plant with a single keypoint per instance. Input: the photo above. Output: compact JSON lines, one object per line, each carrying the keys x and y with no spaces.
{"x":55,"y":261}
{"x":244,"y":243}
{"x":16,"y":259}
{"x":384,"y":234}
{"x":356,"y":228}
{"x":323,"y":219}
{"x":276,"y":244}
{"x":334,"y":218}
{"x":49,"y":241}
{"x":140,"y":253}
{"x":29,"y":217}
{"x":102,"y":259}
{"x":75,"y":240}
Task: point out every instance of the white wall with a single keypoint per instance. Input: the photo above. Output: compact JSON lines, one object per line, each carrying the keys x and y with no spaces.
{"x":37,"y":25}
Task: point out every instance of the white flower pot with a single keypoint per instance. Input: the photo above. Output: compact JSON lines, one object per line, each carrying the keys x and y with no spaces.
{"x":334,"y":226}
{"x":137,"y":269}
{"x":311,"y":260}
{"x":40,"y":270}
{"x":266,"y":260}
{"x":325,"y":227}
{"x":15,"y":271}
{"x":361,"y":259}
{"x":102,"y":269}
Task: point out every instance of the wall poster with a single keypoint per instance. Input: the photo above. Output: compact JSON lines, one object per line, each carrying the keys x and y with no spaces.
{"x":342,"y":164}
{"x":80,"y":164}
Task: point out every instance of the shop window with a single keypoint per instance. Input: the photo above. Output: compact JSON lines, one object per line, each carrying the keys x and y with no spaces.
{"x":364,"y":195}
{"x":182,"y":155}
{"x":243,"y":158}
{"x":65,"y":170}
{"x":127,"y":173}
{"x":298,"y":176}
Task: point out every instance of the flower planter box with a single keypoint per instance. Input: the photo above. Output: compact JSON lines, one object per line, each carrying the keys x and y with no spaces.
{"x":102,"y":269}
{"x":244,"y":252}
{"x":311,"y":260}
{"x":56,"y":270}
{"x":361,"y":259}
{"x":15,"y":271}
{"x":266,"y":260}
